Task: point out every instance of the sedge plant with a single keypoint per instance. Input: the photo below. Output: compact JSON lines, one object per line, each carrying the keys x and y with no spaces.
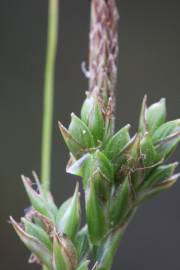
{"x":118,"y":172}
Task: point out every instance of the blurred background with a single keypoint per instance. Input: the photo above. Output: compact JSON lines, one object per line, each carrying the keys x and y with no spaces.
{"x":149,"y":62}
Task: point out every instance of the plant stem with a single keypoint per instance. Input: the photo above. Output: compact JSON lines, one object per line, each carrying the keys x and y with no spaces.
{"x":52,"y":37}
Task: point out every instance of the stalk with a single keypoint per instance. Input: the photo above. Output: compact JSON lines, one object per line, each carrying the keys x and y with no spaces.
{"x":52,"y":38}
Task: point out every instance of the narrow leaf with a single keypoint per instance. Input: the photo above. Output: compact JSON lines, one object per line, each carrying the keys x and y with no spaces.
{"x":150,"y":155}
{"x":73,"y":145}
{"x":167,"y":146}
{"x":81,"y":167}
{"x":129,"y":154}
{"x":96,"y":215}
{"x":75,"y":167}
{"x":80,"y":132}
{"x":92,"y":116}
{"x":157,"y":189}
{"x":102,"y":186}
{"x":36,"y":199}
{"x":120,"y":203}
{"x":82,"y":243}
{"x":158,"y":174}
{"x":156,"y":115}
{"x":166,"y":130}
{"x":103,"y":164}
{"x":36,"y":231}
{"x":142,"y":119}
{"x":68,"y":219}
{"x":34,"y":245}
{"x":115,"y":145}
{"x":60,"y":259}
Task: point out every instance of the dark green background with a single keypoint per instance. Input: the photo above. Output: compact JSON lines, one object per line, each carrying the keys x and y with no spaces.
{"x":149,"y":63}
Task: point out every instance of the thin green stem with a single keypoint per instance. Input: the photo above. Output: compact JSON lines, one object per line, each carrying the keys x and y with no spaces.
{"x":52,"y":38}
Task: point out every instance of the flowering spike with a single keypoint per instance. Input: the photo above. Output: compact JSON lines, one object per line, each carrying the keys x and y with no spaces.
{"x":103,"y":48}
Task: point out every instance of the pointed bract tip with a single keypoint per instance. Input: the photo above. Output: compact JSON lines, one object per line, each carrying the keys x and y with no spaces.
{"x":176,"y":164}
{"x":175,"y":176}
{"x":22,"y":176}
{"x":63,"y":129}
{"x":128,"y":126}
{"x":145,"y":99}
{"x":60,"y":125}
{"x":73,"y":114}
{"x":23,"y":219}
{"x":15,"y":225}
{"x":36,"y":178}
{"x":24,"y":179}
{"x":11,"y":220}
{"x":87,"y":93}
{"x":95,"y":266}
{"x":163,"y":100}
